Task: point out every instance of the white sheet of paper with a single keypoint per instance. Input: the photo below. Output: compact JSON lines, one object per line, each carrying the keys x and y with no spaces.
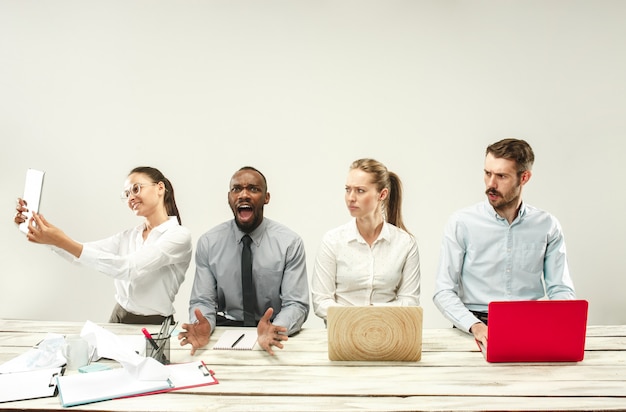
{"x":108,"y":345}
{"x":45,"y":356}
{"x":28,"y":385}
{"x":230,"y":340}
{"x":84,"y":388}
{"x":32,"y":195}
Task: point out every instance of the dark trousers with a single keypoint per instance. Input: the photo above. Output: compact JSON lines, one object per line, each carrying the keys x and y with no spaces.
{"x":121,"y":315}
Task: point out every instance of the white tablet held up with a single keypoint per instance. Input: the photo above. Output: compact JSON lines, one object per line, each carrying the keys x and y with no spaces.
{"x":32,"y":194}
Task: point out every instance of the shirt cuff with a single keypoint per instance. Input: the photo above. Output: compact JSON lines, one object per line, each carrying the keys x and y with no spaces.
{"x":88,"y":256}
{"x":467,"y":322}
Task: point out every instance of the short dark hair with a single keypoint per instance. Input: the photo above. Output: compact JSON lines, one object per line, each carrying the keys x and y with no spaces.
{"x":513,"y":149}
{"x":254,"y":169}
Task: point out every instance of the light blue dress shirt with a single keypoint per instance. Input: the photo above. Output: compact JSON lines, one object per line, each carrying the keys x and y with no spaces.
{"x":484,"y":258}
{"x":278,"y":271}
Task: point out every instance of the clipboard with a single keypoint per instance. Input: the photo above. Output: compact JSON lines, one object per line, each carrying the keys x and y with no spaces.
{"x":188,"y":375}
{"x":83,"y":388}
{"x":32,"y":195}
{"x":39,"y":383}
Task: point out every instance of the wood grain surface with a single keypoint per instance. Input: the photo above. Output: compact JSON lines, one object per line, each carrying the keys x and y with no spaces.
{"x":375,"y":333}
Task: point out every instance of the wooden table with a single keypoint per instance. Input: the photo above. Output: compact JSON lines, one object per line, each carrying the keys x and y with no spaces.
{"x":452,"y":375}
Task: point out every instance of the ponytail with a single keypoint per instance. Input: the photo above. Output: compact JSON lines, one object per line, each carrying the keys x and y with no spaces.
{"x":393,"y":205}
{"x":169,"y":201}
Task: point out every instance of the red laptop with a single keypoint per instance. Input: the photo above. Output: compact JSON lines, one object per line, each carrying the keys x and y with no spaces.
{"x":536,"y":331}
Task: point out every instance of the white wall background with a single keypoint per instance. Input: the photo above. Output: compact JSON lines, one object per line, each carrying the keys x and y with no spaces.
{"x":299,"y":89}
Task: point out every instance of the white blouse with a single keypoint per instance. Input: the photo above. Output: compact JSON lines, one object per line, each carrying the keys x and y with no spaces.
{"x":147,"y":274}
{"x":348,"y":272}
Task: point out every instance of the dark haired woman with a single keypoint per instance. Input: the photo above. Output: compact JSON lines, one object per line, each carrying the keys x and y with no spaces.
{"x":147,"y":262}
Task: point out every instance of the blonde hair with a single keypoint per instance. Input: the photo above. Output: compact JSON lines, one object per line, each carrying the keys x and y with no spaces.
{"x":383,"y":178}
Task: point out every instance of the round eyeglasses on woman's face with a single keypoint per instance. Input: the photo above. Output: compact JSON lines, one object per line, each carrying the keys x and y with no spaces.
{"x":134,"y":190}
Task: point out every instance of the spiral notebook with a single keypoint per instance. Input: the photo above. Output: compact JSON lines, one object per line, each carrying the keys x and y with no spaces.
{"x":237,"y":339}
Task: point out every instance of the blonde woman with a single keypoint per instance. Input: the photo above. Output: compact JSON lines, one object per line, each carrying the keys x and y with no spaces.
{"x":372,"y":259}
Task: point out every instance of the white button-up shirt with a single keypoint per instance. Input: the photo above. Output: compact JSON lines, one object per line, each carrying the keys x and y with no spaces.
{"x":147,"y":274}
{"x":348,"y":272}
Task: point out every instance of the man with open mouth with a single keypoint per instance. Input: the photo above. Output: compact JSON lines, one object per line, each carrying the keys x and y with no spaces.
{"x":277,"y":300}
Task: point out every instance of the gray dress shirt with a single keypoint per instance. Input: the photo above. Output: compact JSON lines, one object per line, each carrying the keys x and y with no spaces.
{"x":278,"y":271}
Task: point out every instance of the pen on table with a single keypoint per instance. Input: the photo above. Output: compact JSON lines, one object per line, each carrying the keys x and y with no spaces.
{"x":149,"y":337}
{"x":238,"y":339}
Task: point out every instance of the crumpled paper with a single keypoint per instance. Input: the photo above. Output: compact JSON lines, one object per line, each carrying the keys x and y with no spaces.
{"x":47,"y":354}
{"x":109,"y":345}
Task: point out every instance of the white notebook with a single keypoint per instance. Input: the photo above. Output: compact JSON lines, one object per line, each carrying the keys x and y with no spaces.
{"x":237,"y":340}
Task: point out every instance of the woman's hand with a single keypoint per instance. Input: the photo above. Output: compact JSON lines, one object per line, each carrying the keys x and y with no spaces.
{"x":44,"y":232}
{"x":21,"y":208}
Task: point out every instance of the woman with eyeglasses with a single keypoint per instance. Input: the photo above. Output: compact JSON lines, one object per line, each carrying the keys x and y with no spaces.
{"x":147,"y":262}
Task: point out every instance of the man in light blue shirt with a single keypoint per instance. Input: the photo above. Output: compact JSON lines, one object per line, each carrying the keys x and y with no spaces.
{"x":281,"y":293}
{"x":502,"y":248}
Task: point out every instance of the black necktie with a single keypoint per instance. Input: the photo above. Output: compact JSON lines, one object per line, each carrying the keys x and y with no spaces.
{"x":249,"y":295}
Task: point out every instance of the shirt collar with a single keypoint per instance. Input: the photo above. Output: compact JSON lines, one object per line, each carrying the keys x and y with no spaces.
{"x":255,"y":235}
{"x":171,"y":221}
{"x":490,"y":210}
{"x":353,"y":233}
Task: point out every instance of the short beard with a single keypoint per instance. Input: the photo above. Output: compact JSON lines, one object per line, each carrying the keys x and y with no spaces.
{"x":504,"y":203}
{"x":248,"y":227}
